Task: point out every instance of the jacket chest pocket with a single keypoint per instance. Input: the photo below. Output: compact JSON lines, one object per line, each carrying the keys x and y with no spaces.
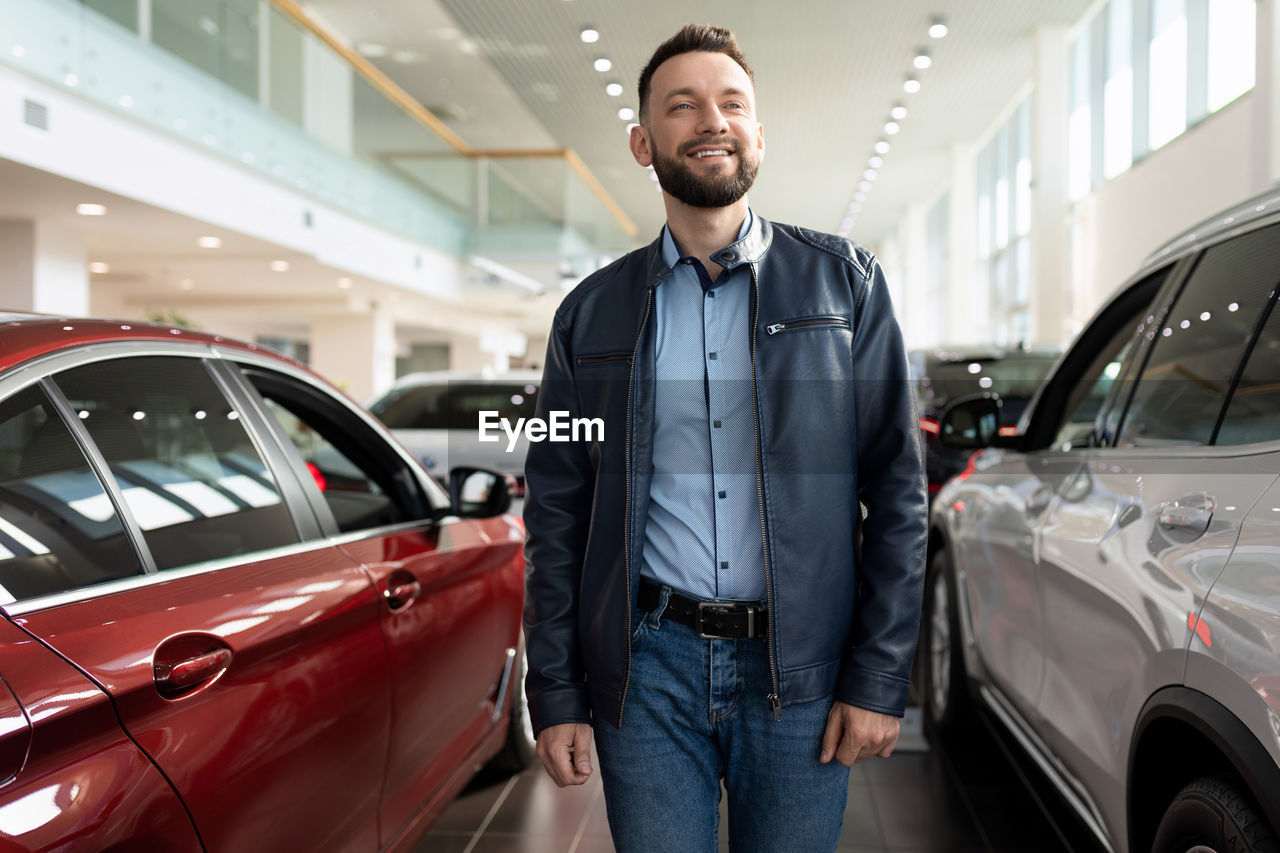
{"x":818,"y":322}
{"x":604,"y":360}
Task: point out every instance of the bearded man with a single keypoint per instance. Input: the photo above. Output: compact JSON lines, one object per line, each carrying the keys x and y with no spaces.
{"x":726,"y":586}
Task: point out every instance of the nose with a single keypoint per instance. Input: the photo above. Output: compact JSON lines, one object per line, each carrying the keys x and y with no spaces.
{"x":712,"y":121}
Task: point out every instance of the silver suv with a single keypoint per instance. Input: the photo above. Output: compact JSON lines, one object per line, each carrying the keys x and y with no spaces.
{"x":437,"y":416}
{"x":1106,"y":582}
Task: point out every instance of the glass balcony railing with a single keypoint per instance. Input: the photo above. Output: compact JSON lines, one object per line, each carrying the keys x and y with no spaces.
{"x":257,"y":82}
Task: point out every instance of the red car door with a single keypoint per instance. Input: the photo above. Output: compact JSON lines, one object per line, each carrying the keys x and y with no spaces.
{"x":68,"y":773}
{"x":247,"y":664}
{"x":451,"y":594}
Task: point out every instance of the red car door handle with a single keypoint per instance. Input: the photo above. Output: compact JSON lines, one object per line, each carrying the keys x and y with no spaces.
{"x":401,"y":595}
{"x":194,"y":670}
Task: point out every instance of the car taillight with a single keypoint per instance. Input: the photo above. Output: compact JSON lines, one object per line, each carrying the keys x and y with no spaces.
{"x":930,"y":427}
{"x":1008,"y":430}
{"x":321,"y":483}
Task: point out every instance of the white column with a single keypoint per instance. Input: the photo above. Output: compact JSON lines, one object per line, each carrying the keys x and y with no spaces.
{"x":962,"y":206}
{"x":356,"y":352}
{"x":1266,"y":97}
{"x":914,"y":311}
{"x":43,"y":268}
{"x":1050,"y":300}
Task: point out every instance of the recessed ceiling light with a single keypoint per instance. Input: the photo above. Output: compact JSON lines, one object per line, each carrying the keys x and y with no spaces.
{"x":589,"y":35}
{"x":99,"y":267}
{"x":280,"y":266}
{"x":344,"y":283}
{"x":614,"y":89}
{"x":911,"y":85}
{"x":922,"y":60}
{"x":899,"y":112}
{"x":372,"y":49}
{"x":870,"y":174}
{"x":626,"y":114}
{"x":938,"y":29}
{"x":859,"y":196}
{"x":209,"y":242}
{"x":603,"y":64}
{"x":864,"y":186}
{"x":891,"y":127}
{"x":855,"y":208}
{"x":876,"y":161}
{"x":91,"y":209}
{"x":631,"y":126}
{"x":882,"y":146}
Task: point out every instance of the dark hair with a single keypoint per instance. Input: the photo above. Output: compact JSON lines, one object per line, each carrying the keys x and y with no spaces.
{"x":692,"y":38}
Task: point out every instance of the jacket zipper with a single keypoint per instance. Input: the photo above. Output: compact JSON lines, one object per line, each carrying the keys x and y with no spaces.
{"x":775,"y":703}
{"x":799,"y":324}
{"x":604,"y":359}
{"x":626,"y":519}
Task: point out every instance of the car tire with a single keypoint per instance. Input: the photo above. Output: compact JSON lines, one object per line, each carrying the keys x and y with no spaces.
{"x":1214,"y":814}
{"x":946,"y":698}
{"x":520,"y":747}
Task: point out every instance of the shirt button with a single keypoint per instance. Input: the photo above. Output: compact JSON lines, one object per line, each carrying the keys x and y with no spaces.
{"x":716,"y":424}
{"x":711,"y":294}
{"x":724,"y":494}
{"x":724,"y":564}
{"x":711,"y":356}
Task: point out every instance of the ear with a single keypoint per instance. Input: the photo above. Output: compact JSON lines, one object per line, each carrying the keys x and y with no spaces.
{"x":760,"y":139}
{"x":641,"y":146}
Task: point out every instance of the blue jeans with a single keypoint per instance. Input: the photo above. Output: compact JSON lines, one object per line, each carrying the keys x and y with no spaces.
{"x":696,"y":712}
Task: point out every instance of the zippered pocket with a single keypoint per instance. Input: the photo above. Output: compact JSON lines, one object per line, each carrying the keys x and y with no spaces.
{"x":828,"y":321}
{"x":604,"y":359}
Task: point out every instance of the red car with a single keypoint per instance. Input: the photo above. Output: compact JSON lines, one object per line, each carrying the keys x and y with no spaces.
{"x":238,"y":615}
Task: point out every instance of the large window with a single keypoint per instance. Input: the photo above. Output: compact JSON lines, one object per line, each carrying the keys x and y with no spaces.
{"x":1143,"y":71}
{"x":1004,"y":226}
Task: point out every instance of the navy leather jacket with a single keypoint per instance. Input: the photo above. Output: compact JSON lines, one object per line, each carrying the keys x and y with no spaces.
{"x":836,"y":427}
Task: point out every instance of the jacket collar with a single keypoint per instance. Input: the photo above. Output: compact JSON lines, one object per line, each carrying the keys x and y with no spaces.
{"x":749,"y":249}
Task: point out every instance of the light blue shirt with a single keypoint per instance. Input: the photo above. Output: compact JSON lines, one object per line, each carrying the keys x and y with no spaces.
{"x":703,"y":533}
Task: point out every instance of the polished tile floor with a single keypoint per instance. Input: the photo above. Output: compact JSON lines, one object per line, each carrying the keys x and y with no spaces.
{"x":972,"y":793}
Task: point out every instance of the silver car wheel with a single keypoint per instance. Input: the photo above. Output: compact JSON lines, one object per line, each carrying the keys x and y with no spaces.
{"x":940,"y":646}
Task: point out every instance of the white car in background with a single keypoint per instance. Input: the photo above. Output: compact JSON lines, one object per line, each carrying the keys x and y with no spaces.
{"x":436,"y":416}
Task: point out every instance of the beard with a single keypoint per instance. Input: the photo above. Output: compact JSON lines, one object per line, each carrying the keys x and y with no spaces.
{"x":679,"y":181}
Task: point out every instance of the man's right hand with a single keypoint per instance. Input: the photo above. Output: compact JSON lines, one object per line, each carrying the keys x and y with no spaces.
{"x":565,"y":750}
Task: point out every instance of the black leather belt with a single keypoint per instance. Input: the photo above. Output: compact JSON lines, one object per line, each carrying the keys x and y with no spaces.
{"x":714,"y":620}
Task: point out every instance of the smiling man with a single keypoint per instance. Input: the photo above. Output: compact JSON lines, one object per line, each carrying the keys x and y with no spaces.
{"x":729,"y":588}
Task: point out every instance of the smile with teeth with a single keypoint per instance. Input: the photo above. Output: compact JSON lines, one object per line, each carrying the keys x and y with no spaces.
{"x":717,"y":152}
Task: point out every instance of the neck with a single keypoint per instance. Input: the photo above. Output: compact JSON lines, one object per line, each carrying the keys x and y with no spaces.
{"x":699,"y":231}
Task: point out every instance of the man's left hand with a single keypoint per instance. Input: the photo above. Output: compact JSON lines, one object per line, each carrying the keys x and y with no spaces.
{"x":855,"y":734}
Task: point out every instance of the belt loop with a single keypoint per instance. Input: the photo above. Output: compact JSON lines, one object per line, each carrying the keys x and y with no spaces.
{"x":655,"y":616}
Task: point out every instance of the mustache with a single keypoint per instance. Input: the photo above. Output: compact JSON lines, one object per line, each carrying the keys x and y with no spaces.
{"x":728,"y":143}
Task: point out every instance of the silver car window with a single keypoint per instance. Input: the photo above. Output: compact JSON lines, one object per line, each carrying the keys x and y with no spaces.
{"x":1195,"y":356}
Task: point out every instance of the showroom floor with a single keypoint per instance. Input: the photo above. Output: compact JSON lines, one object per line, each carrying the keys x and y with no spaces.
{"x":968,"y":794}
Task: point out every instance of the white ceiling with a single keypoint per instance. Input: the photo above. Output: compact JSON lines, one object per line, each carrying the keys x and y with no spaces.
{"x":827,"y":73}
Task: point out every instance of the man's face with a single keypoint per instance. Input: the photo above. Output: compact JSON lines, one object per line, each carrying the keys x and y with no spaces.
{"x":700,"y":132}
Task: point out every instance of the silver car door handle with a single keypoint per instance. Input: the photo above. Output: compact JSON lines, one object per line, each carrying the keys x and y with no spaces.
{"x":1191,"y":513}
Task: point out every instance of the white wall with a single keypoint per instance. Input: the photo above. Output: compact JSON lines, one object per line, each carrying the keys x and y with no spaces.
{"x":1204,"y":170}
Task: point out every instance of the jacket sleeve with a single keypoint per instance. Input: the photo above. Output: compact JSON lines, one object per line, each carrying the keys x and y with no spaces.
{"x":891,"y":488}
{"x":560,"y":481}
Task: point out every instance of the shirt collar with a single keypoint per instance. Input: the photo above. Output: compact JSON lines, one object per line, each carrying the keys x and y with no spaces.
{"x":671,"y":253}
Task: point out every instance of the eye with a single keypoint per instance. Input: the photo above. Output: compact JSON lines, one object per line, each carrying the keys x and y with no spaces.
{"x":735,"y":105}
{"x":682,"y":107}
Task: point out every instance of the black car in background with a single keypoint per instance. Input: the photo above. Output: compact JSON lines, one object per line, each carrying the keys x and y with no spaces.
{"x":945,"y":374}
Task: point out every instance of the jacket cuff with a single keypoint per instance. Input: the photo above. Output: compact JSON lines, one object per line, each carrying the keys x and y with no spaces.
{"x":559,"y":705}
{"x":874,"y":691}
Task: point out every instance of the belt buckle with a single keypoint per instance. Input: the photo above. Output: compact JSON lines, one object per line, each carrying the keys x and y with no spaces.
{"x":723,"y":609}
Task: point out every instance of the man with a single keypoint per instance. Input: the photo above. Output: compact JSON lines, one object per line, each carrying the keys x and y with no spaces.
{"x":696,"y":596}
